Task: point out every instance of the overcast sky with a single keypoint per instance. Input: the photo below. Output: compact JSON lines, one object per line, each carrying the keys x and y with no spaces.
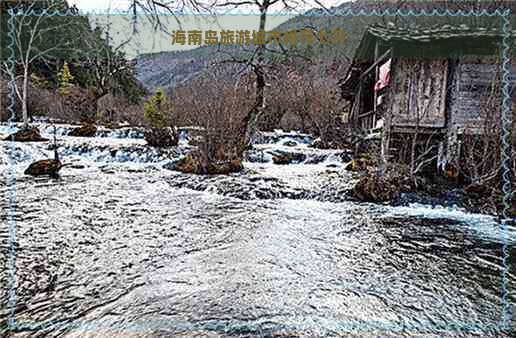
{"x":151,"y":41}
{"x":102,"y":5}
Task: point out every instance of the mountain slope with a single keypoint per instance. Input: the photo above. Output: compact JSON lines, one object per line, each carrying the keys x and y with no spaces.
{"x":171,"y":68}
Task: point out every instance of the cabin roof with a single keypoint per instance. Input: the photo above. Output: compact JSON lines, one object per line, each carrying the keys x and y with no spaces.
{"x":431,"y":36}
{"x":431,"y":43}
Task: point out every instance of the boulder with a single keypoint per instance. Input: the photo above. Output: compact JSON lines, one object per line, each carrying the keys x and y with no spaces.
{"x":44,"y":168}
{"x":288,"y":158}
{"x":256,"y":156}
{"x":190,"y":164}
{"x":171,"y":164}
{"x":285,"y":158}
{"x":224,"y":168}
{"x":315,"y":159}
{"x":161,"y":137}
{"x":87,"y":130}
{"x":375,"y":188}
{"x":349,"y":166}
{"x":320,"y":144}
{"x":26,"y":135}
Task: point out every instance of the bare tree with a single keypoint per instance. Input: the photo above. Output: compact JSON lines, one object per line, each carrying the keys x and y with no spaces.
{"x":105,"y":59}
{"x":153,"y":9}
{"x":32,"y":43}
{"x":256,"y":60}
{"x":480,"y":147}
{"x":218,"y":111}
{"x":305,"y":93}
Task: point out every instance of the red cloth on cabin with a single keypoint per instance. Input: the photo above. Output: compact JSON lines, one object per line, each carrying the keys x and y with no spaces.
{"x":384,"y":76}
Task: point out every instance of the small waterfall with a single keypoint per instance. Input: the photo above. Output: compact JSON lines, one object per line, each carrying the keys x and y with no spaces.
{"x":47,"y":129}
{"x":18,"y":152}
{"x":120,"y":153}
{"x":126,"y":145}
{"x":280,"y":137}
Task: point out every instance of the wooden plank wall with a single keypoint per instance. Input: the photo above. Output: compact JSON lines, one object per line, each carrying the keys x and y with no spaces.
{"x":419,"y":92}
{"x":470,"y":88}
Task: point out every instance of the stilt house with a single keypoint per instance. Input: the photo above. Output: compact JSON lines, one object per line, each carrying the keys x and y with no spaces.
{"x":431,"y":82}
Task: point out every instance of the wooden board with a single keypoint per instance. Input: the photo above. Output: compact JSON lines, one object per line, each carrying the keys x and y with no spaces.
{"x":470,"y":91}
{"x":419,"y":93}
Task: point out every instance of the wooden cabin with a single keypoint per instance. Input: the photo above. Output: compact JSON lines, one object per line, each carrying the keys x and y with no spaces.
{"x":422,"y":81}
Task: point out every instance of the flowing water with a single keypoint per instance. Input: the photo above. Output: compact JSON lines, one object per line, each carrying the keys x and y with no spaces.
{"x":120,"y":246}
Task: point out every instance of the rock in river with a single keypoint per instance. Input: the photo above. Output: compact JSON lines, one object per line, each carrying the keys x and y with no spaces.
{"x":190,"y":164}
{"x":375,"y":188}
{"x":49,"y":167}
{"x":87,"y":130}
{"x":288,"y":158}
{"x":26,"y":135}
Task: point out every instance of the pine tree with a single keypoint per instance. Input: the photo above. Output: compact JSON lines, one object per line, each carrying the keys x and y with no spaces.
{"x":154,"y":110}
{"x":65,"y":79}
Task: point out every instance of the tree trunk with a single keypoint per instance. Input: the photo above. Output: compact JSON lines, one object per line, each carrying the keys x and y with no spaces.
{"x":251,"y":120}
{"x":25,"y":111}
{"x":99,"y":95}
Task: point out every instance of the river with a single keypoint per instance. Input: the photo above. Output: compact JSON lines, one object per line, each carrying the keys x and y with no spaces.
{"x":120,"y":246}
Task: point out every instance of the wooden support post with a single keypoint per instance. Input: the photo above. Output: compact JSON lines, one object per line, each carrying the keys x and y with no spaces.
{"x":387,"y":121}
{"x":376,"y":77}
{"x":358,"y":107}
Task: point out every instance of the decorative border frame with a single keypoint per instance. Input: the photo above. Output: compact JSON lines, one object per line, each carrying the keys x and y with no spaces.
{"x":506,"y":149}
